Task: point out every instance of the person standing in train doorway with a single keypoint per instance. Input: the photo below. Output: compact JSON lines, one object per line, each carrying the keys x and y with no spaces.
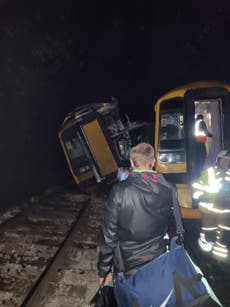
{"x":201,"y":135}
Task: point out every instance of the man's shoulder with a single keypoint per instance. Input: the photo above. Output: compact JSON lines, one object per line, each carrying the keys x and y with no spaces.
{"x":119,"y":190}
{"x":120,"y":185}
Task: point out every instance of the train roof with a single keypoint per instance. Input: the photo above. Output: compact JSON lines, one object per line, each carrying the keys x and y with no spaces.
{"x":181,"y":90}
{"x":100,"y":107}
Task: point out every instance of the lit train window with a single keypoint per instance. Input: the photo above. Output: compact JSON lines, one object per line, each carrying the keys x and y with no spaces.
{"x":171,"y":132}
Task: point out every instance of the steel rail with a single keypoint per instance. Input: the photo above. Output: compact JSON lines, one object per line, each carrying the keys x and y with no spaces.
{"x":34,"y":292}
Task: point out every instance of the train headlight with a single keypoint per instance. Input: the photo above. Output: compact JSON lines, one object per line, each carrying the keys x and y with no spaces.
{"x":124,"y":148}
{"x":172,"y":157}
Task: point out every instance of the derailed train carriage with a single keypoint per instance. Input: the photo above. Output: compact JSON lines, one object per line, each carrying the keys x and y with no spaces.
{"x":175,"y":141}
{"x":96,"y":141}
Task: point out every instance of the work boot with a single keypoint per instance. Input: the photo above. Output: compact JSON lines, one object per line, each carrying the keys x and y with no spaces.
{"x":204,"y":244}
{"x":220,"y":251}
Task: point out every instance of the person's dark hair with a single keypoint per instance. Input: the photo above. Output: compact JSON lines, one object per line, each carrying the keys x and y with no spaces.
{"x":199,"y":116}
{"x":142,"y":155}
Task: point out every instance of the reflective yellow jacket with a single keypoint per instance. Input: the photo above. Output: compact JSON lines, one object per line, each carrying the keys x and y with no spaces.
{"x":207,"y":187}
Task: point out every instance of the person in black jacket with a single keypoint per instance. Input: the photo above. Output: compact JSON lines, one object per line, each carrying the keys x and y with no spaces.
{"x":137,"y":216}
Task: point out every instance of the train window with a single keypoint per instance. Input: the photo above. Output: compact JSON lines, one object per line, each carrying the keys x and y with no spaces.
{"x":74,"y":148}
{"x":77,"y":157}
{"x":171,"y":132}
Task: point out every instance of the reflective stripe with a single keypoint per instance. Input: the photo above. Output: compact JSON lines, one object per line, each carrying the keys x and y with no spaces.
{"x":219,"y":254}
{"x":220,"y":211}
{"x":208,"y":228}
{"x":213,"y":186}
{"x":220,"y":249}
{"x":206,"y":205}
{"x":204,"y":245}
{"x":197,"y":194}
{"x":210,"y":207}
{"x":218,"y":243}
{"x":224,"y":227}
{"x":205,"y":188}
{"x":213,"y":183}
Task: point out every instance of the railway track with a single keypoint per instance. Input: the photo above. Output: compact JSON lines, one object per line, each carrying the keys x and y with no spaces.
{"x":48,"y":250}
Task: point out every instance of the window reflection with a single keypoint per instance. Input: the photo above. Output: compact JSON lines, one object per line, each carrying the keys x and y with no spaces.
{"x":171,"y":135}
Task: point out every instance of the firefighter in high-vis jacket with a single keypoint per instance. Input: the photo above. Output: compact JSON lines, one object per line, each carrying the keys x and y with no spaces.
{"x":212,"y":191}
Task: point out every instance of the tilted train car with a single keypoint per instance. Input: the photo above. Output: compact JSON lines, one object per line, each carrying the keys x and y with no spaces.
{"x":96,"y":141}
{"x":174,"y":141}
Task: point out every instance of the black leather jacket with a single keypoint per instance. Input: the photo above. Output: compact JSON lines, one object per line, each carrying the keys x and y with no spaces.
{"x":137,"y":215}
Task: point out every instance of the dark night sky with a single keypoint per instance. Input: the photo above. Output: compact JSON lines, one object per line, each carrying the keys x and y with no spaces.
{"x":135,"y":50}
{"x":55,"y":55}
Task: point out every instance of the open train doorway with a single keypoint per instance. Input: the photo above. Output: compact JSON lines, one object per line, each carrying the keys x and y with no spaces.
{"x":211,"y":103}
{"x":211,"y":109}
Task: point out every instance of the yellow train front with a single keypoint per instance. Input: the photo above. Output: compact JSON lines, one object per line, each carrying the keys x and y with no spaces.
{"x":94,"y":141}
{"x":174,"y":142}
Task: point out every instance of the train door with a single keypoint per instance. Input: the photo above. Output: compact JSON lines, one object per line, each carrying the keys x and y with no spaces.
{"x":102,"y":155}
{"x":209,"y":103}
{"x":211,"y":109}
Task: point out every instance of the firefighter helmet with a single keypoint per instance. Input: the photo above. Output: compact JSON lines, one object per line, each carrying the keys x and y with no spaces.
{"x":224,"y":154}
{"x":223,"y":159}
